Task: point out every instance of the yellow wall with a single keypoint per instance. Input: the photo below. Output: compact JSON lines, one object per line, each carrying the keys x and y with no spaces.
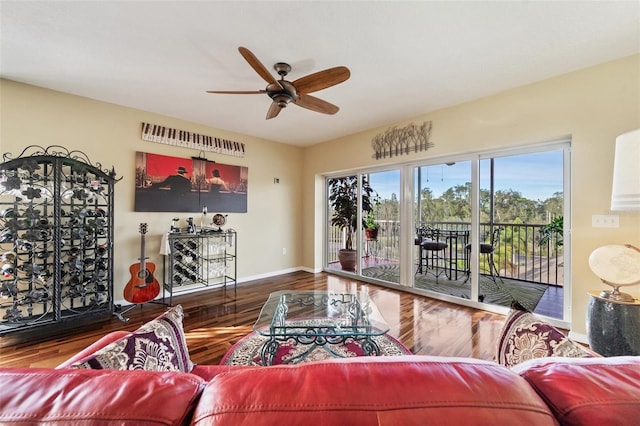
{"x":593,"y":106}
{"x":110,"y":134}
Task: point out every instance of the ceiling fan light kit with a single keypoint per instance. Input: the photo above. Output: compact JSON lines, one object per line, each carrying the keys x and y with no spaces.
{"x":283,"y":92}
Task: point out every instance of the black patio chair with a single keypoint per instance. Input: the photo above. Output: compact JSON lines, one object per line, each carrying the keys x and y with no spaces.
{"x":487,"y":250}
{"x":432,"y":251}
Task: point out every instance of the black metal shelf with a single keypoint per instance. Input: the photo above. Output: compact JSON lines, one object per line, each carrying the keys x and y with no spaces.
{"x":200,"y":260}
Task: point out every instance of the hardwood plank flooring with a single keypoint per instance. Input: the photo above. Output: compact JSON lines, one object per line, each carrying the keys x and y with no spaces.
{"x":213,"y":324}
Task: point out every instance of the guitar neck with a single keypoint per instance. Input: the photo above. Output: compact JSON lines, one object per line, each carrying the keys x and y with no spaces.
{"x":143,"y":260}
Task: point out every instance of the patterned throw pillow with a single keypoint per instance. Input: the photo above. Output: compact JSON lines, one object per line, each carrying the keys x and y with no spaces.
{"x":158,"y":345}
{"x":525,"y":337}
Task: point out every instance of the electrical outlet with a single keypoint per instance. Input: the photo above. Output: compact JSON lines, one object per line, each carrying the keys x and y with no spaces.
{"x":605,"y":221}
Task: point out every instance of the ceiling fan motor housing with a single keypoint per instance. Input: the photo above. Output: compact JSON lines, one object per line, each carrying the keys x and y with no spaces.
{"x":282,"y":96}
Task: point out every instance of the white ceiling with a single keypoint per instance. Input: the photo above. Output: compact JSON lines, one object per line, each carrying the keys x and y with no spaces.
{"x":406,"y":58}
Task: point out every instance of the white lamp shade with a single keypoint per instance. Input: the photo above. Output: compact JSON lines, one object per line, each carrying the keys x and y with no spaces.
{"x":625,"y":194}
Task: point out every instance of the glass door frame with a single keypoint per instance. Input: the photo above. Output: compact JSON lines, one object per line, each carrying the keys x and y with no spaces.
{"x":406,"y":208}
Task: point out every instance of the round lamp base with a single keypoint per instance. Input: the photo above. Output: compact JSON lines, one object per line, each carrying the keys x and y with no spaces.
{"x":617,"y":296}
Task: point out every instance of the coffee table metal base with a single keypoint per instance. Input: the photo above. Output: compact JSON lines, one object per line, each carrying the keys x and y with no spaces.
{"x":313,"y":339}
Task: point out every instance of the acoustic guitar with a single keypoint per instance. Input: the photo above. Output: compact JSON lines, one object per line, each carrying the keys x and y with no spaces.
{"x":143,"y":286}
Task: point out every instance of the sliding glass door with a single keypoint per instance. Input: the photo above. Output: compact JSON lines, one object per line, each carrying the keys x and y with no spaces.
{"x":505,"y":249}
{"x":443,"y":228}
{"x":489,"y":229}
{"x":381,"y":233}
{"x":363,"y":225}
{"x":521,"y":250}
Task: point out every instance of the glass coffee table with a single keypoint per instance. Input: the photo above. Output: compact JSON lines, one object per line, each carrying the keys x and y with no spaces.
{"x":318,"y":318}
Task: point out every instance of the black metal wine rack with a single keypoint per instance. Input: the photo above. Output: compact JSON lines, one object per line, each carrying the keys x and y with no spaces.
{"x":56,"y":239}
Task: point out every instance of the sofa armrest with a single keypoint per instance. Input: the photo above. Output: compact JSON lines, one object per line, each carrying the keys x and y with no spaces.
{"x":95,"y":346}
{"x":587,"y":391}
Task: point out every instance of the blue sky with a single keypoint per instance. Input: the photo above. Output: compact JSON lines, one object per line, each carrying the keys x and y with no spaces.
{"x":536,"y":176}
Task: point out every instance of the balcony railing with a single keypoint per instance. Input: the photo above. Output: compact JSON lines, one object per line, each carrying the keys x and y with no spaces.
{"x":519,"y":255}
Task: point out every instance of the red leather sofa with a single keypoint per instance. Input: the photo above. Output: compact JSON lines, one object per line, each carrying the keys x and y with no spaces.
{"x":403,"y":390}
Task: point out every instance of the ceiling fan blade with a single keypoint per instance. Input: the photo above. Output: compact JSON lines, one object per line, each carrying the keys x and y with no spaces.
{"x":322,"y":79}
{"x":257,"y":66}
{"x":315,"y":104}
{"x":274,"y":110}
{"x":237,"y":92}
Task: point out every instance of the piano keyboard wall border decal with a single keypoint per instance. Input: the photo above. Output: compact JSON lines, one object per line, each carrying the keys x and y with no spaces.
{"x":169,"y":136}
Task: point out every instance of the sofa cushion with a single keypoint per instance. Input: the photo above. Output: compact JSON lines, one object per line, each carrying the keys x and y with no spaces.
{"x":524,"y":337}
{"x":158,"y":345}
{"x":593,"y":391}
{"x":402,"y":390}
{"x":32,"y":396}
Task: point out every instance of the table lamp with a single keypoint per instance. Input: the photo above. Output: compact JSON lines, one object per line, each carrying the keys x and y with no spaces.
{"x":625,"y":194}
{"x":616,"y":265}
{"x":619,"y":265}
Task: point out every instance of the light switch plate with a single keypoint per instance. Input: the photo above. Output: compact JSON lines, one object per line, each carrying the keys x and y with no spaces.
{"x":605,"y":221}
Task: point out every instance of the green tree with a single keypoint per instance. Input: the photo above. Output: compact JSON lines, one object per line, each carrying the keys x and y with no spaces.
{"x":509,"y":206}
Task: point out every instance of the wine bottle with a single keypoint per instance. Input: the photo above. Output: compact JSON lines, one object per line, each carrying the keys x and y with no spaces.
{"x":203,"y":219}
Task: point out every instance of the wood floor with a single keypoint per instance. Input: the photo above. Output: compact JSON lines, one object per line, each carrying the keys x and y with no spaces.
{"x":213,"y":324}
{"x":551,"y":304}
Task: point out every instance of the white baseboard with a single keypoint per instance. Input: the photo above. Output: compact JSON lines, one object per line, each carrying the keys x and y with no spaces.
{"x":271,"y":274}
{"x":579,"y":337}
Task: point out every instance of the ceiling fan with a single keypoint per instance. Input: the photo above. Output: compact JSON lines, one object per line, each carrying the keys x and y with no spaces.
{"x":283,"y":92}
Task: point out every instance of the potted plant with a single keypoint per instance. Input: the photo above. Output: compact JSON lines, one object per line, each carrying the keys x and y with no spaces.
{"x":343,"y":193}
{"x":371,"y":227}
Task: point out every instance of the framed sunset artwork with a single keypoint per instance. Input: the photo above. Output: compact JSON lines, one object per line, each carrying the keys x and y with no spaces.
{"x":175,"y":184}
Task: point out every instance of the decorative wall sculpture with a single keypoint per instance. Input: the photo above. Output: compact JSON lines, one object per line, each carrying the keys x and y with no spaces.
{"x":169,"y":136}
{"x":404,"y":140}
{"x":174,"y":184}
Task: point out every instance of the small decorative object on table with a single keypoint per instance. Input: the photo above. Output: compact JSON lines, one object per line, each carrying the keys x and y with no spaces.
{"x":191,"y":227}
{"x":219,"y":220}
{"x":174,"y":224}
{"x":203,"y":220}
